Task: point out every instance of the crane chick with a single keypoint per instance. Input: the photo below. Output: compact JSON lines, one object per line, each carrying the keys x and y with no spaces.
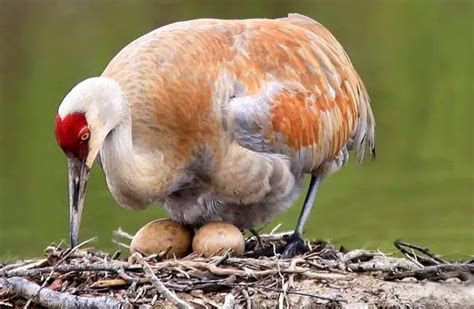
{"x":218,"y":120}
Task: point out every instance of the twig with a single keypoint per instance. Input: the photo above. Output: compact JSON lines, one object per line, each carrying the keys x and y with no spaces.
{"x":303,"y":294}
{"x":27,"y":265}
{"x":4,"y":304}
{"x":117,"y":268}
{"x":273,"y":231}
{"x":248,"y":301}
{"x":169,"y":295}
{"x":229,"y":302}
{"x":68,"y":253}
{"x":224,"y":258}
{"x":49,"y":298}
{"x":382,"y":264}
{"x":431,"y":259}
{"x":291,"y":277}
{"x":464,"y":272}
{"x":115,"y":283}
{"x":121,"y":244}
{"x":121,"y":233}
{"x":241,"y":273}
{"x":359,"y":254}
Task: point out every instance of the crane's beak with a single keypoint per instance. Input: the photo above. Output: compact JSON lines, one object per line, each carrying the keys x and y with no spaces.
{"x":78,"y":176}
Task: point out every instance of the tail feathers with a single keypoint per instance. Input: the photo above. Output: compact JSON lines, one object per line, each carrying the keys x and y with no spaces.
{"x":364,"y":137}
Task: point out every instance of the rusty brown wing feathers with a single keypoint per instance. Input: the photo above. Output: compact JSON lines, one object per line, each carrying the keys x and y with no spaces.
{"x":308,"y":101}
{"x":296,"y":91}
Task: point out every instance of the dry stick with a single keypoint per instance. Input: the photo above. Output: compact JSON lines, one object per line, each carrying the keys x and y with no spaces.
{"x":464,"y":272}
{"x":414,"y":259}
{"x":120,"y":244}
{"x":280,"y":301}
{"x":119,"y":269}
{"x":302,"y":294}
{"x":248,"y":301}
{"x":431,"y":257}
{"x":224,"y":258}
{"x":199,"y":301}
{"x":57,"y":264}
{"x":169,"y":295}
{"x":116,"y":268}
{"x":209,"y":301}
{"x":229,"y":302}
{"x":4,"y":304}
{"x":121,"y":233}
{"x":383,"y":264}
{"x":26,"y":265}
{"x":18,"y":264}
{"x":273,"y":231}
{"x":283,"y":286}
{"x":241,"y":273}
{"x":115,"y":283}
{"x":357,"y":254}
{"x":291,"y":277}
{"x":49,"y":298}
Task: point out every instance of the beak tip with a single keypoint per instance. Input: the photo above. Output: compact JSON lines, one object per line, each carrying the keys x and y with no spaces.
{"x":78,"y":175}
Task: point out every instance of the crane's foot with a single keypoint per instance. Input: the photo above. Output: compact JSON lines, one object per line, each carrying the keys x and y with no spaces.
{"x":295,"y":246}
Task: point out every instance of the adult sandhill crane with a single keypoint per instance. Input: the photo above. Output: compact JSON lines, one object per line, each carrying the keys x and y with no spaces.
{"x":218,"y":120}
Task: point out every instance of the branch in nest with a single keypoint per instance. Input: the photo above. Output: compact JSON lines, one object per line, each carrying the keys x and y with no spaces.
{"x":229,"y":302}
{"x":383,"y":264}
{"x":257,"y":273}
{"x":116,"y":268}
{"x":49,"y":298}
{"x":121,"y":233}
{"x":169,"y":295}
{"x":360,"y":255}
{"x":428,"y":259}
{"x":464,"y":272}
{"x":326,"y":298}
{"x":108,"y":283}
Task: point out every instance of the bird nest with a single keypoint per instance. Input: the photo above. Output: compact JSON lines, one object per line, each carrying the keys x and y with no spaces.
{"x":85,"y":277}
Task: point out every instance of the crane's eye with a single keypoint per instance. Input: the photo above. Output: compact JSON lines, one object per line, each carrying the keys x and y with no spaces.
{"x":85,"y":136}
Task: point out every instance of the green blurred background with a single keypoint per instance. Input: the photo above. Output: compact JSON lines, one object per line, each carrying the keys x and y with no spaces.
{"x":416,"y":58}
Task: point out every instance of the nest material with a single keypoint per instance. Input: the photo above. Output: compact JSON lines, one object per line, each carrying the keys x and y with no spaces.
{"x":84,"y":277}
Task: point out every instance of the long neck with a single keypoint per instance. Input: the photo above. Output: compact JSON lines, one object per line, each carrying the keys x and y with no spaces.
{"x":134,"y":179}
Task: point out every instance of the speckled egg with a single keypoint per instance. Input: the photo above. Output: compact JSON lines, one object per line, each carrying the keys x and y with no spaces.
{"x":215,"y":238}
{"x":163,"y":235}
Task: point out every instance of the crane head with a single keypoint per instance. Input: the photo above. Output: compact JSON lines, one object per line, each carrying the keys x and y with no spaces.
{"x":87,"y":114}
{"x":73,"y":135}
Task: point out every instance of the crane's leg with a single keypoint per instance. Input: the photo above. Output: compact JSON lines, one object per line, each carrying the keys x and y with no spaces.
{"x":296,"y":243}
{"x":257,"y":236}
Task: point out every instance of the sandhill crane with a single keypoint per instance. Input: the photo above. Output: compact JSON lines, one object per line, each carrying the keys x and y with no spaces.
{"x":218,"y":120}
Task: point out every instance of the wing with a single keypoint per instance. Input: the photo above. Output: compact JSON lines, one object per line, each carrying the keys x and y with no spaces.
{"x":307,"y":101}
{"x":295,"y":90}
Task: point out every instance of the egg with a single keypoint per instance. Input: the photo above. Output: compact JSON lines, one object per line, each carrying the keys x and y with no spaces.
{"x":163,"y":235}
{"x":218,"y":237}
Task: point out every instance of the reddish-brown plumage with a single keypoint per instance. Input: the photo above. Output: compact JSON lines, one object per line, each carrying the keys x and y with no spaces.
{"x":72,"y":134}
{"x":173,"y":82}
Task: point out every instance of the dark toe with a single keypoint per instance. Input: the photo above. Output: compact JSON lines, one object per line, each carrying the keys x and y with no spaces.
{"x":295,"y":246}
